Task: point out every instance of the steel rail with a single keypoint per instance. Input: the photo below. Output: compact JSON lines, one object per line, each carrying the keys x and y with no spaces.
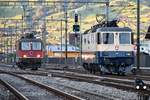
{"x":132,"y":77}
{"x":31,"y":73}
{"x":46,"y":87}
{"x":109,"y":77}
{"x":19,"y":95}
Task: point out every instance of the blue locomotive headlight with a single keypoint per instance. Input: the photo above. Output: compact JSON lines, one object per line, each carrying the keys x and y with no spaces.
{"x":128,"y":53}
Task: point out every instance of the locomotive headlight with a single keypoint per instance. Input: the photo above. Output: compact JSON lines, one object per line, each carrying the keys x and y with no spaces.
{"x":128,"y":54}
{"x":144,"y":87}
{"x":38,"y":56}
{"x":24,"y":56}
{"x":137,"y":87}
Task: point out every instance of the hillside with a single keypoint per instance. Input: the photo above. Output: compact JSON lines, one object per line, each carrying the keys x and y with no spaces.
{"x":126,"y":12}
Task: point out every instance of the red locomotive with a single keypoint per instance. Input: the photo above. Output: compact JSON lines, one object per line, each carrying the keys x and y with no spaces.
{"x":29,"y":52}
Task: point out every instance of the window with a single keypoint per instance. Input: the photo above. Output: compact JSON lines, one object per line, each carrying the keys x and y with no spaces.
{"x":98,"y":38}
{"x":25,"y":46}
{"x":124,"y":38}
{"x":84,"y":40}
{"x":108,"y":38}
{"x":36,"y":46}
{"x":92,"y":38}
{"x":88,"y":40}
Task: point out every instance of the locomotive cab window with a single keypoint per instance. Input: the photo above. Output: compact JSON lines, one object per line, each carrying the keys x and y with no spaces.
{"x":36,"y":46}
{"x":25,"y":46}
{"x":124,"y":38}
{"x":84,"y":40}
{"x":108,"y":38}
{"x":98,"y":38}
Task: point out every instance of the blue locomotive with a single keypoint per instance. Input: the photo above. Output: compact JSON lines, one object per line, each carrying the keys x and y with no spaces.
{"x":108,"y":50}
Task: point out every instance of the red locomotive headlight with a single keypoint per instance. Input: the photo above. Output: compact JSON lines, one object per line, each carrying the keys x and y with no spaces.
{"x":135,"y":47}
{"x":38,"y":56}
{"x":24,"y":56}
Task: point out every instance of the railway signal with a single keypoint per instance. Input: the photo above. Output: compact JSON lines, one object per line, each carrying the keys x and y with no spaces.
{"x":139,"y":84}
{"x":76,"y":28}
{"x":76,"y":18}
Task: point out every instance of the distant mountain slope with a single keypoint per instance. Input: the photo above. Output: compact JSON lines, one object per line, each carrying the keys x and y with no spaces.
{"x":125,"y":10}
{"x":10,"y":11}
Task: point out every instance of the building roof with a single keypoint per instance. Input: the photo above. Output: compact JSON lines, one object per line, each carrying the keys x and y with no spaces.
{"x":57,"y":48}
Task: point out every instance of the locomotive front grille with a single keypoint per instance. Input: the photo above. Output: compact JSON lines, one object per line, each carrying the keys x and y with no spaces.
{"x":118,"y":61}
{"x":117,"y":54}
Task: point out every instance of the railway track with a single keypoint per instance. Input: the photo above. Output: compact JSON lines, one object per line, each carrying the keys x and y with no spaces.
{"x":141,"y":75}
{"x":127,"y":77}
{"x":19,"y":71}
{"x":120,"y":82}
{"x":45,"y":71}
{"x":101,"y":80}
{"x":18,"y":94}
{"x":130,"y":77}
{"x":26,"y":86}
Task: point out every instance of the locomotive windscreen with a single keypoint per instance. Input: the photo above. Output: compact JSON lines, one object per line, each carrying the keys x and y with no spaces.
{"x":25,"y":46}
{"x":36,"y":46}
{"x":31,"y":46}
{"x":124,"y":38}
{"x":108,"y":38}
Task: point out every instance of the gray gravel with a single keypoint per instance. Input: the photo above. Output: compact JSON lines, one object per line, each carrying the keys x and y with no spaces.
{"x":104,"y":91}
{"x":114,"y":93}
{"x":30,"y":91}
{"x":5,"y":94}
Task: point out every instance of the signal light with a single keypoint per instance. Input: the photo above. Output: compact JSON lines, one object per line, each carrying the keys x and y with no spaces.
{"x":140,"y":84}
{"x":76,"y":18}
{"x":135,"y":47}
{"x":137,"y":87}
{"x":144,"y":87}
{"x":76,"y":28}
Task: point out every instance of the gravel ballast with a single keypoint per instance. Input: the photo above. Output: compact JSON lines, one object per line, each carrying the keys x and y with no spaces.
{"x":84,"y":86}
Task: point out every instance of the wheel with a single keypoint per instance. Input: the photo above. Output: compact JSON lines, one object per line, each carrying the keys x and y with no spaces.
{"x":21,"y":67}
{"x":133,"y":71}
{"x":121,"y":74}
{"x":85,"y":66}
{"x":34,"y":68}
